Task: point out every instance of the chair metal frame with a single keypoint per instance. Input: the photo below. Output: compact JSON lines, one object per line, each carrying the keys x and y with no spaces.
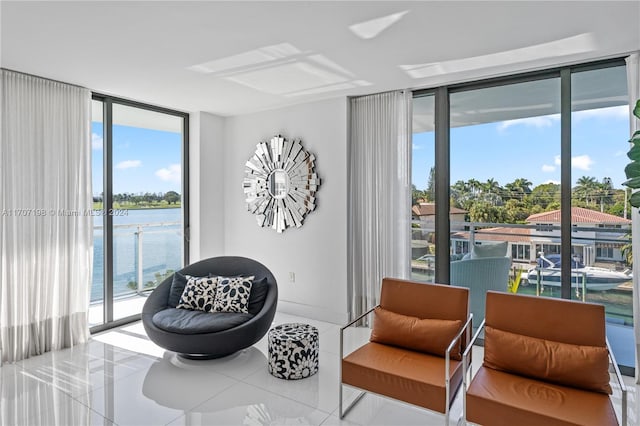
{"x":466,"y":328}
{"x":466,"y":369}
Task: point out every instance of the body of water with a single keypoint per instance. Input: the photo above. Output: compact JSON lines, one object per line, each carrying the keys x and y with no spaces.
{"x":160,"y":239}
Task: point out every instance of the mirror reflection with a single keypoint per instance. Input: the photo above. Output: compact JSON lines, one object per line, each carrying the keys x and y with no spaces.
{"x":278,"y":184}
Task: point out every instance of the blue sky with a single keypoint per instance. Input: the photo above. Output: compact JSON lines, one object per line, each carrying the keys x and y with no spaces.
{"x":530,"y":148}
{"x":144,"y":160}
{"x":149,"y":160}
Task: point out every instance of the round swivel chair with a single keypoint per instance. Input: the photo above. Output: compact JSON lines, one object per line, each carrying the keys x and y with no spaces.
{"x":189,"y":341}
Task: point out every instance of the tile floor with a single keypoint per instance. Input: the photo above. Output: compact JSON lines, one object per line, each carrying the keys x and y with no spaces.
{"x":121,"y":378}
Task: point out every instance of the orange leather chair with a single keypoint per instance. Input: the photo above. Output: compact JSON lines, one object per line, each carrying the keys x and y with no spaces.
{"x":546,"y":362}
{"x":415,"y":351}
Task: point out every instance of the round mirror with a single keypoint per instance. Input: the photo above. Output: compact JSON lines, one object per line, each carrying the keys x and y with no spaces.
{"x":278,"y":184}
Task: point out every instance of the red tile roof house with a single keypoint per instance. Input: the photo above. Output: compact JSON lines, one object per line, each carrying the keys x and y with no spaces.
{"x":424,"y":215}
{"x":597,"y":237}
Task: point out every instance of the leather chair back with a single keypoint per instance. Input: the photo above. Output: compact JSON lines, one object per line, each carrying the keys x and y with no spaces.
{"x":560,"y":320}
{"x":433,"y":301}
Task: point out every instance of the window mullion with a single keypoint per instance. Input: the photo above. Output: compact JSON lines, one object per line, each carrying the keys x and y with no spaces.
{"x":565,"y":181}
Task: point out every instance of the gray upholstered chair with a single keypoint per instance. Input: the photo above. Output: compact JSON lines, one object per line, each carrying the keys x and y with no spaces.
{"x":489,"y":270}
{"x":204,"y":335}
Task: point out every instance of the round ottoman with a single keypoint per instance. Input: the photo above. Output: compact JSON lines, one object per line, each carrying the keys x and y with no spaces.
{"x":293,"y":351}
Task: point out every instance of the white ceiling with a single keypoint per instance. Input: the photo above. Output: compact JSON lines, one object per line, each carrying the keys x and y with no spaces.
{"x":232,"y":58}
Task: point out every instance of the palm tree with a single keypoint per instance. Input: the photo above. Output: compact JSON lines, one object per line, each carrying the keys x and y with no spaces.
{"x":491,"y":190}
{"x":586,"y":188}
{"x":459,"y":192}
{"x":474,"y":185}
{"x":605,"y":191}
{"x":491,"y":186}
{"x":519,"y":188}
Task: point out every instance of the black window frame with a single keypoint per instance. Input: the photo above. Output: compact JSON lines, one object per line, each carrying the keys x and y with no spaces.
{"x":108,"y":101}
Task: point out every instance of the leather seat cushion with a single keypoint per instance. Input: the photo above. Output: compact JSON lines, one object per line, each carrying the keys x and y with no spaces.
{"x":184,"y":321}
{"x":499,"y":398}
{"x":410,"y":376}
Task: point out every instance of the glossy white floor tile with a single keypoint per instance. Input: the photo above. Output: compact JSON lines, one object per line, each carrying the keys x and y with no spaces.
{"x":121,"y":378}
{"x":319,"y":390}
{"x":244,"y":404}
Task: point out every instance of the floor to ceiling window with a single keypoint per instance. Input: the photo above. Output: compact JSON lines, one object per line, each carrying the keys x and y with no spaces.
{"x":423,"y":212}
{"x":502,"y":140}
{"x":600,"y":214}
{"x":535,"y":162}
{"x":140,"y":204}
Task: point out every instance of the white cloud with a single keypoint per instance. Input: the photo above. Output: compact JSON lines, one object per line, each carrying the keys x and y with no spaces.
{"x":538,"y":122}
{"x":128,"y":164}
{"x":96,"y":141}
{"x":581,"y":162}
{"x":170,"y":174}
{"x":416,"y":147}
{"x":555,"y":182}
{"x":619,"y":153}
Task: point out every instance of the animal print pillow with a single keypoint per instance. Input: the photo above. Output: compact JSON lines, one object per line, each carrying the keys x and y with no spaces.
{"x":232,"y":294}
{"x":199,"y":294}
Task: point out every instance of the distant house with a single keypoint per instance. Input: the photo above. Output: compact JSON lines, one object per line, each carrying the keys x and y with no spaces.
{"x":600,"y":242}
{"x":596,"y":236}
{"x":426,"y":214}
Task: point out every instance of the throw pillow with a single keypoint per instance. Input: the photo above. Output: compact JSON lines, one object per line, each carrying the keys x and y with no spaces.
{"x":425,"y":335}
{"x":177,"y":288}
{"x":258,"y":295}
{"x":489,"y":250}
{"x":585,"y":367}
{"x":232,"y":294}
{"x":198,"y":294}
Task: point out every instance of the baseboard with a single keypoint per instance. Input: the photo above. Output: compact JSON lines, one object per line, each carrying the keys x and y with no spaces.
{"x":313,"y":312}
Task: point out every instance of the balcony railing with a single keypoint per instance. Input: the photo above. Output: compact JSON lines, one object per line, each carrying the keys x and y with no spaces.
{"x":144,"y":254}
{"x":596,"y":247}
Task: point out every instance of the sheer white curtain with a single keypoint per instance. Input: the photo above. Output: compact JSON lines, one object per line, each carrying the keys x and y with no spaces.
{"x":633,"y":85}
{"x":45,"y":227}
{"x":379,"y":242}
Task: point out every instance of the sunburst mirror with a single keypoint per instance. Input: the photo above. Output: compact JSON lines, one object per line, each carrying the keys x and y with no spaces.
{"x":280,"y":183}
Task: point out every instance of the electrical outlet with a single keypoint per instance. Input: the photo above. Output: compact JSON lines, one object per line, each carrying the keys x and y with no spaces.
{"x":292,"y":277}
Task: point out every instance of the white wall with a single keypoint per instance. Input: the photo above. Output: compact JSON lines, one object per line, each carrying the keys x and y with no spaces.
{"x":316,"y":252}
{"x":206,"y":185}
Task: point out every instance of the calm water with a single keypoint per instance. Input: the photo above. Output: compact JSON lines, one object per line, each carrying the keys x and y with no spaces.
{"x":161,"y":247}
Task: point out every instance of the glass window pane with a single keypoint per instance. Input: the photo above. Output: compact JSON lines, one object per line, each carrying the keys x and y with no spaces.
{"x":504,"y":172}
{"x":423,"y":190}
{"x":147,"y":207}
{"x":601,"y":215}
{"x":96,"y":307}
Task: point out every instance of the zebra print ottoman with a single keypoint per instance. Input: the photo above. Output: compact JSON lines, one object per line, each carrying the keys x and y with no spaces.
{"x":293,"y":351}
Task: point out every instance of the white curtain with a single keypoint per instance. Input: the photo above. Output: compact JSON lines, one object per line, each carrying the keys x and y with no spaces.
{"x":633,"y":86}
{"x":379,"y":241}
{"x":45,"y":223}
